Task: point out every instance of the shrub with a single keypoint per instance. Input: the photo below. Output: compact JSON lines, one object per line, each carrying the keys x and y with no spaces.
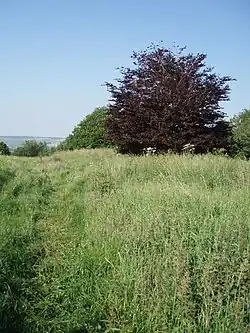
{"x":241,"y":134}
{"x":89,"y":133}
{"x":4,"y":149}
{"x":166,"y":101}
{"x":32,"y":148}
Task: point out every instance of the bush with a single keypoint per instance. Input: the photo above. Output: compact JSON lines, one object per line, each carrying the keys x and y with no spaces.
{"x":89,"y":133}
{"x":32,"y":148}
{"x":168,"y":100}
{"x":241,"y":134}
{"x":4,"y":149}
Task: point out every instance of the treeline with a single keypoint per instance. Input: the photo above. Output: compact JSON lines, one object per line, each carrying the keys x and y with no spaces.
{"x":30,"y":148}
{"x":167,"y":100}
{"x":92,"y":132}
{"x":86,"y":136}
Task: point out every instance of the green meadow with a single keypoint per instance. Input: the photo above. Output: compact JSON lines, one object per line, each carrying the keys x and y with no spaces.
{"x":91,"y":241}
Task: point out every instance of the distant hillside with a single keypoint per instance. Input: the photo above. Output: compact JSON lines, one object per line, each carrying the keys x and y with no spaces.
{"x":15,"y":141}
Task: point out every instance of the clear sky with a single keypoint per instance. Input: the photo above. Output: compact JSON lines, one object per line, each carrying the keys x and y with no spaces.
{"x":56,"y":54}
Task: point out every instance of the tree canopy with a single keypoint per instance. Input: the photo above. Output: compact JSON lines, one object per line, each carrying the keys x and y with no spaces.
{"x":89,"y":133}
{"x":32,"y":148}
{"x":167,"y":100}
{"x":4,"y":149}
{"x":241,"y":134}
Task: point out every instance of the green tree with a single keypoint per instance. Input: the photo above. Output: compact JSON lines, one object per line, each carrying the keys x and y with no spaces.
{"x":32,"y":148}
{"x":4,"y":149}
{"x":241,"y":134}
{"x":89,"y":133}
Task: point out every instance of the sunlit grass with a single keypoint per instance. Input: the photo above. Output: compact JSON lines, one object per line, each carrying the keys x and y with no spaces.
{"x":94,"y":242}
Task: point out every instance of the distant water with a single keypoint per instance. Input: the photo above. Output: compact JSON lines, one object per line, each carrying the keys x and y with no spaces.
{"x":15,"y":141}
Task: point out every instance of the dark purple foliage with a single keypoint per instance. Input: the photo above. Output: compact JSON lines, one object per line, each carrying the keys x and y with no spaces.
{"x":167,"y":100}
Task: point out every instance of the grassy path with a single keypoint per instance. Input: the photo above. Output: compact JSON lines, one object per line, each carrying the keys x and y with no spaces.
{"x":93,"y":242}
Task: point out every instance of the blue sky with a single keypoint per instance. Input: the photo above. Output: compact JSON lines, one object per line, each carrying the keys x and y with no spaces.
{"x":56,"y":54}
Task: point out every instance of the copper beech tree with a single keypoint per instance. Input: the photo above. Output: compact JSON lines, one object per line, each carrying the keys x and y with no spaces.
{"x":168,"y":100}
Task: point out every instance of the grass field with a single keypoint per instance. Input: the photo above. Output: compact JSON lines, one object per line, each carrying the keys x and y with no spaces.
{"x":94,"y":242}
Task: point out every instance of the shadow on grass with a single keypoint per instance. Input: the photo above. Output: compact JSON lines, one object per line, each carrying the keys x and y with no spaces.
{"x":17,"y":283}
{"x":79,"y":330}
{"x":5,"y":177}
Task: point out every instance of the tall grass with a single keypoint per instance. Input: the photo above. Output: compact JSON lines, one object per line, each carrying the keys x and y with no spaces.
{"x":94,"y":242}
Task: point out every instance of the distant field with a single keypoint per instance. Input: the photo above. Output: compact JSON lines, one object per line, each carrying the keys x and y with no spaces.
{"x":15,"y":141}
{"x":94,"y":242}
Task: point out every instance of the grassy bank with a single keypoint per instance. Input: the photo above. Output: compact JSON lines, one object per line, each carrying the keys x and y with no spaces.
{"x":93,"y":242}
